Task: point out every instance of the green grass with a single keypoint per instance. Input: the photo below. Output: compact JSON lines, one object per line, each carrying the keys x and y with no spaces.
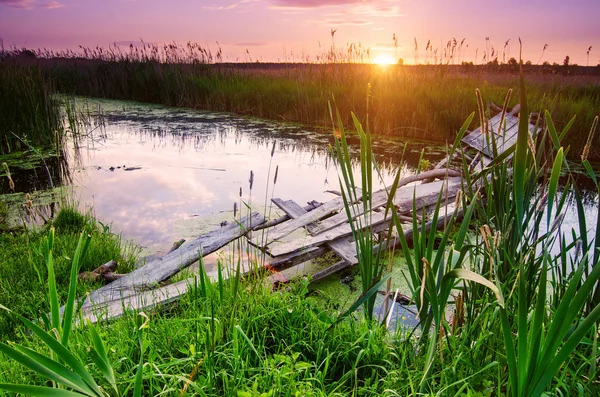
{"x":23,"y":274}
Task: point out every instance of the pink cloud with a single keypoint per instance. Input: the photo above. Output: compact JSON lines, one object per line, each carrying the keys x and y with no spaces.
{"x":340,"y":22}
{"x":21,"y":4}
{"x":52,"y":4}
{"x":315,"y":3}
{"x":29,"y":4}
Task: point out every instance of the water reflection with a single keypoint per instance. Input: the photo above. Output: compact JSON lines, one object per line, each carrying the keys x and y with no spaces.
{"x":160,"y":174}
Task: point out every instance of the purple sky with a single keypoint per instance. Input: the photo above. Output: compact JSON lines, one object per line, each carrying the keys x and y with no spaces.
{"x":280,"y":30}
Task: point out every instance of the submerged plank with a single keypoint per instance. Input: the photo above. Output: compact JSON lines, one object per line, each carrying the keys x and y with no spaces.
{"x":147,"y":276}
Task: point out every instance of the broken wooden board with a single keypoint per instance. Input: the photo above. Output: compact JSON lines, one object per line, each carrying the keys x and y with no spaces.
{"x":425,"y":195}
{"x":284,"y":229}
{"x":404,"y":194}
{"x":344,"y":249}
{"x":408,"y":235}
{"x":149,"y":299}
{"x":507,"y":137}
{"x":147,"y":276}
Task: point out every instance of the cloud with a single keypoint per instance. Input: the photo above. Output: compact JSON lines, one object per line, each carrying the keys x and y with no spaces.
{"x":314,"y":3}
{"x":29,"y":4}
{"x":249,"y":44}
{"x":52,"y":4}
{"x":340,"y":22}
{"x":20,"y":4}
{"x":376,"y":10}
{"x":230,"y":6}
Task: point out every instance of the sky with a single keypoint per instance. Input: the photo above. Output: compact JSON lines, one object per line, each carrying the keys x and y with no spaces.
{"x":301,"y":30}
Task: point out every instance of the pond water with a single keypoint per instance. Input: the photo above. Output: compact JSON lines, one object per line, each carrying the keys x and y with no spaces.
{"x":159,"y":174}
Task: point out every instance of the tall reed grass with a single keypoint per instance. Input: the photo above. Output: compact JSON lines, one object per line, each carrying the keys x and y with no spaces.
{"x":29,"y":114}
{"x":426,"y":102}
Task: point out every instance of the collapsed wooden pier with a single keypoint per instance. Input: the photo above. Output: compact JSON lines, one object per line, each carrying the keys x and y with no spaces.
{"x":325,"y":228}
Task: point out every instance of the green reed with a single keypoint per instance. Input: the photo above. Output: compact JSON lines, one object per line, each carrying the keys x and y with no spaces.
{"x":29,"y":114}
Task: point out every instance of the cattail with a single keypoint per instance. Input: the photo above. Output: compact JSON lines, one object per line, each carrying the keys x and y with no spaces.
{"x":273,"y":149}
{"x":458,"y":201}
{"x":531,"y":145}
{"x":240,"y":191}
{"x":276,"y":172}
{"x":481,"y":112}
{"x":251,"y":180}
{"x":11,"y":183}
{"x":234,"y":209}
{"x":504,"y":107}
{"x":588,"y":143}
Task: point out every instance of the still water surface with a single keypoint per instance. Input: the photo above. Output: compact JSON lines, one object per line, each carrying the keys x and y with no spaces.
{"x":159,"y":174}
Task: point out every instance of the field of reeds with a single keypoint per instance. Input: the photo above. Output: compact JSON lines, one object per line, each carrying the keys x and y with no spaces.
{"x":425,"y":102}
{"x":29,"y":113}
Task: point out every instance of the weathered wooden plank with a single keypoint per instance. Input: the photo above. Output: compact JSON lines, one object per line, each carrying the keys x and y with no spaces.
{"x":293,"y":210}
{"x":404,"y":194}
{"x":336,"y":267}
{"x":274,"y":222}
{"x":408,"y":235}
{"x":293,"y":258}
{"x":111,"y":309}
{"x":504,"y":140}
{"x":427,"y":194}
{"x":141,"y":300}
{"x":147,"y":276}
{"x":282,"y":230}
{"x":344,"y":249}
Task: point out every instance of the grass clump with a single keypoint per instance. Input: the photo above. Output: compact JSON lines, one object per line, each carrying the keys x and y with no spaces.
{"x":23,"y":274}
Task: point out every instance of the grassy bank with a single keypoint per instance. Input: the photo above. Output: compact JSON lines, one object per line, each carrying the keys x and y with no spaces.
{"x":23,"y":272}
{"x":423,"y":102}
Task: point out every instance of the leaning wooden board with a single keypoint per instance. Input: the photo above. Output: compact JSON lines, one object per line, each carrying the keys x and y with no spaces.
{"x":147,"y":276}
{"x":344,"y":249}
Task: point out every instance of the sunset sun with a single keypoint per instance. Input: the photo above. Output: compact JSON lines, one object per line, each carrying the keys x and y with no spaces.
{"x":384,"y":60}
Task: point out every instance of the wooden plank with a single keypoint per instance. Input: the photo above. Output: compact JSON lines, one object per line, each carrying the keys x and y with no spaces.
{"x":408,"y":235}
{"x":284,"y":229}
{"x":292,"y":210}
{"x":427,"y":195}
{"x":344,"y":249}
{"x":273,"y":222}
{"x":507,"y":137}
{"x":293,"y":258}
{"x":108,"y":310}
{"x":147,"y":276}
{"x":404,"y":194}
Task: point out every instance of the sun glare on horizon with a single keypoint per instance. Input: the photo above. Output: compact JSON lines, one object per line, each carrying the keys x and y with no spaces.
{"x":384,"y":60}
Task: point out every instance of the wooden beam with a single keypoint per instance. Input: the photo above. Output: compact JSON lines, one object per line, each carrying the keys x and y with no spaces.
{"x":149,"y":275}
